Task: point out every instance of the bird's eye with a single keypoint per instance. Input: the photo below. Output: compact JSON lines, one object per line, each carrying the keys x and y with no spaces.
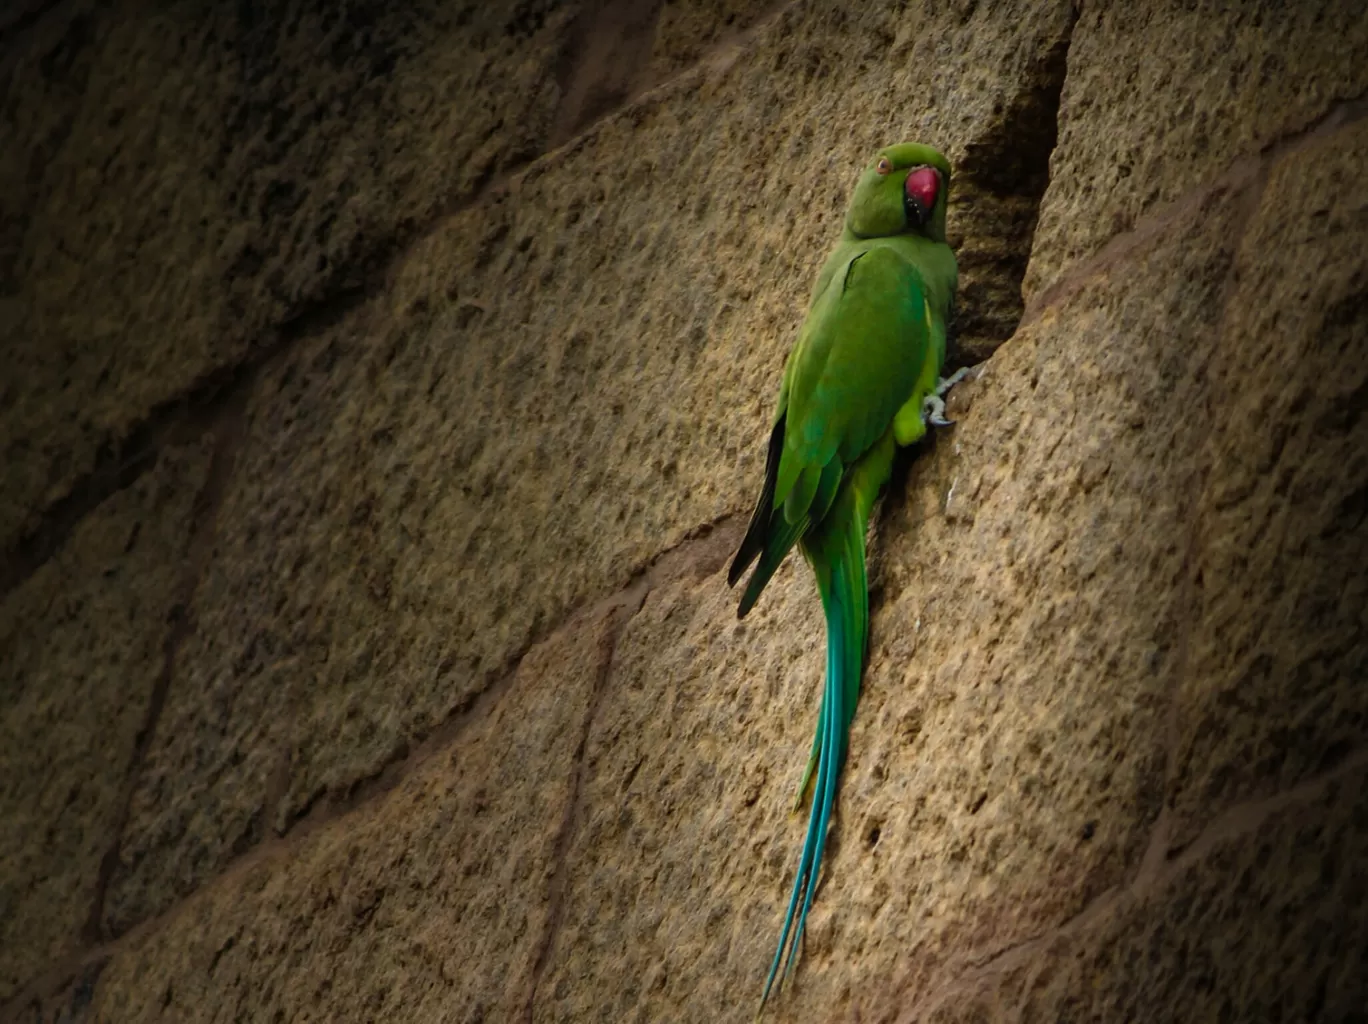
{"x":884,"y":165}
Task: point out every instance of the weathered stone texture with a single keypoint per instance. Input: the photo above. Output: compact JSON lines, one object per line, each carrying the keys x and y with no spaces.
{"x":1162,"y":96}
{"x":676,"y":869}
{"x":180,"y":178}
{"x":254,"y":669}
{"x":428,"y":905}
{"x":687,"y":29}
{"x":560,"y":383}
{"x":1007,"y":762}
{"x":1279,"y":651}
{"x":1265,"y":925}
{"x":81,"y":650}
{"x":1109,"y":759}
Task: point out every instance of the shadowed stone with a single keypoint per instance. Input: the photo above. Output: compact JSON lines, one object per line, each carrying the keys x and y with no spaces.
{"x":81,"y":649}
{"x":1162,"y":96}
{"x":430,"y":904}
{"x":561,"y":382}
{"x":187,"y":177}
{"x":1279,"y":653}
{"x":1271,"y":925}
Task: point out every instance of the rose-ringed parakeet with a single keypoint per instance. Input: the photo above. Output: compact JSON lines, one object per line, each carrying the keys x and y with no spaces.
{"x":863,"y":376}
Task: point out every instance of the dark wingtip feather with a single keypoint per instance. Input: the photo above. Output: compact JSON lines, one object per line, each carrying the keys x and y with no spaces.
{"x":747,"y":602}
{"x":738,"y":567}
{"x":754,"y":540}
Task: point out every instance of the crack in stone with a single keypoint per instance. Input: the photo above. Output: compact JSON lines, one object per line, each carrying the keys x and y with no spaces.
{"x":1001,"y":181}
{"x":703,"y":553}
{"x":974,"y":975}
{"x":1240,"y":173}
{"x":204,"y":515}
{"x":631,"y":603}
{"x":179,"y":420}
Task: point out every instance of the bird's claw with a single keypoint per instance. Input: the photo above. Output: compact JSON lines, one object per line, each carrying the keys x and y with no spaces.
{"x":933,"y":411}
{"x":933,"y":405}
{"x":946,"y":383}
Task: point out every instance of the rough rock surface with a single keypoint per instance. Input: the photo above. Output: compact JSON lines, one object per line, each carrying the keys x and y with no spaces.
{"x":1269,"y":910}
{"x":686,"y":29}
{"x":1162,"y":96}
{"x":1277,"y":657}
{"x":83,"y":642}
{"x":423,"y":697}
{"x":185,"y":177}
{"x":967,"y":822}
{"x":560,"y":383}
{"x":676,"y":868}
{"x":1274,"y":922}
{"x":427,"y":905}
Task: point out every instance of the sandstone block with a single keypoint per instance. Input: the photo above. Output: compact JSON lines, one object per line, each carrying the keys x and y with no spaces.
{"x":1161,"y":97}
{"x":429,"y":904}
{"x":1266,"y":925}
{"x":81,"y":651}
{"x":1007,"y":761}
{"x":1279,"y":649}
{"x":186,"y":178}
{"x":561,"y":383}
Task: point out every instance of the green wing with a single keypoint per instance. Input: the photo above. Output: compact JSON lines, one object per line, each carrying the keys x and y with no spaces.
{"x":858,"y":358}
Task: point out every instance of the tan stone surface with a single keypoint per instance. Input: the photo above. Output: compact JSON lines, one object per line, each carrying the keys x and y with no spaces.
{"x":185,"y":177}
{"x":605,"y":64}
{"x":1008,"y":757}
{"x":1162,"y":96}
{"x":688,"y":29}
{"x":427,"y":905}
{"x":1118,"y":611}
{"x":676,"y":868}
{"x":1279,"y":653}
{"x":257,"y":657}
{"x":1266,"y":925}
{"x":81,"y":649}
{"x":561,"y":383}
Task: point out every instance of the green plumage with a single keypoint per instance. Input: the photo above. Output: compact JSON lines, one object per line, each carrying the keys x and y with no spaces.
{"x":868,"y":355}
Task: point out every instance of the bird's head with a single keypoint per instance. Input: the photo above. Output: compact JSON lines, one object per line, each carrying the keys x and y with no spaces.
{"x":902,"y":190}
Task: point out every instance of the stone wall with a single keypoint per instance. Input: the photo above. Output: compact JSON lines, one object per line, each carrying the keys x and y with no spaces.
{"x":386,"y":388}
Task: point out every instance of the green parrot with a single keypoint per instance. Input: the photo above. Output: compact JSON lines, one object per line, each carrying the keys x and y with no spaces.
{"x":863,"y":377}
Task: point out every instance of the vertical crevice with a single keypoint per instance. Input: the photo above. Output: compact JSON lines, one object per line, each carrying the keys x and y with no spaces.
{"x":705,"y":552}
{"x":995,"y":204}
{"x":228,"y":433}
{"x":606,"y":60}
{"x":627,"y":607}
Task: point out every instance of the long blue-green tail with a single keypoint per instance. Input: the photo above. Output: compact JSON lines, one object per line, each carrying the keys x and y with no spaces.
{"x":836,"y":550}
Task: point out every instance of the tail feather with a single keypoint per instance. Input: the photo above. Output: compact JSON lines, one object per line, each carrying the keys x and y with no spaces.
{"x":828,"y":772}
{"x":837,"y":556}
{"x":815,"y":824}
{"x":856,"y":633}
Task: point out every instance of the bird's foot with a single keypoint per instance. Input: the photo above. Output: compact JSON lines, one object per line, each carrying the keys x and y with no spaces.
{"x":933,"y":411}
{"x":946,"y":383}
{"x":933,"y":405}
